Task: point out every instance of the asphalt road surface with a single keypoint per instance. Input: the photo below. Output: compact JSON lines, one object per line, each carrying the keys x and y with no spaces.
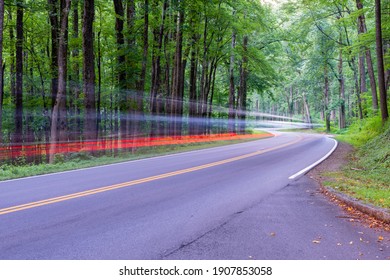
{"x":231,"y":202}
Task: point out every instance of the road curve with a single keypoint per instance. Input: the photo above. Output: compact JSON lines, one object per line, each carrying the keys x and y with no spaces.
{"x":182,"y":206}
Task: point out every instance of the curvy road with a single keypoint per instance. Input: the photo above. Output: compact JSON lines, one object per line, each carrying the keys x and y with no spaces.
{"x":230,"y":202}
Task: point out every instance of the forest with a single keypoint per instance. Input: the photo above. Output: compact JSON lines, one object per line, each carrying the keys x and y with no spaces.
{"x":82,"y":73}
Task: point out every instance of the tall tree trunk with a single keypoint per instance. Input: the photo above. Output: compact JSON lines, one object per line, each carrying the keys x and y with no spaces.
{"x":1,"y":69}
{"x":75,"y":78}
{"x":59,"y":108}
{"x":387,"y":72}
{"x":99,"y":93}
{"x":63,"y":128}
{"x":131,"y":67}
{"x":243,"y":86}
{"x":140,"y":87}
{"x":352,"y":65}
{"x":121,"y":69}
{"x":192,"y":90}
{"x":379,"y":55}
{"x":53,"y":16}
{"x":90,"y":132}
{"x":155,"y":92}
{"x":307,"y":109}
{"x":363,"y":29}
{"x":232,"y":113}
{"x":326,"y":97}
{"x":177,"y":73}
{"x":18,"y":136}
{"x":342,"y":124}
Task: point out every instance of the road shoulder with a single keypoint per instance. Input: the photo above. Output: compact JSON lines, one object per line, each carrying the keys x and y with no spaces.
{"x":375,"y":216}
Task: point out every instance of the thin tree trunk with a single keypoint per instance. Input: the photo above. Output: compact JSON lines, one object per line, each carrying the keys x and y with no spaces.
{"x":342,"y":124}
{"x":53,"y":16}
{"x":326,"y":95}
{"x":75,"y":83}
{"x":1,"y":69}
{"x":121,"y":69}
{"x":177,"y":73}
{"x":155,"y":92}
{"x":307,"y":109}
{"x":243,"y":86}
{"x":90,"y":132}
{"x":12,"y":56}
{"x":363,"y":29}
{"x":232,"y":113}
{"x":140,"y":87}
{"x":131,"y":61}
{"x":379,"y":55}
{"x":99,"y":93}
{"x":192,"y":90}
{"x":18,"y":136}
{"x":59,"y":108}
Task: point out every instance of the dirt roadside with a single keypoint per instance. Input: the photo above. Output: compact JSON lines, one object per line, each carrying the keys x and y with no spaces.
{"x":367,"y":214}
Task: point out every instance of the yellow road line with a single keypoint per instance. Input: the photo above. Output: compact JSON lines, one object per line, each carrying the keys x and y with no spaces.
{"x":136,"y":182}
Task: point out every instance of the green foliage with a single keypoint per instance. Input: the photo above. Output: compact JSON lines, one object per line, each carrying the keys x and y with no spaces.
{"x":362,"y":131}
{"x":367,"y":177}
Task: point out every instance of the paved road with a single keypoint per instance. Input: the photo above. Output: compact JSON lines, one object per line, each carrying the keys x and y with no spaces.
{"x":231,"y":202}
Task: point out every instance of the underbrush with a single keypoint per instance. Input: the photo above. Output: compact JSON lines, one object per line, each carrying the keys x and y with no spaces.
{"x":367,"y":176}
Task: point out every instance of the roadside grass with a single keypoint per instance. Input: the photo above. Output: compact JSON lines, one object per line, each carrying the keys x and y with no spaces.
{"x":84,"y":160}
{"x":367,"y":176}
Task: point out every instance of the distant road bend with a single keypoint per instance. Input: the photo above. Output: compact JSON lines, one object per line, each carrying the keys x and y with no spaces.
{"x":181,"y":206}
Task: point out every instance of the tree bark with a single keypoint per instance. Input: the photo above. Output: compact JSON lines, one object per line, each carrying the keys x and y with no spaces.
{"x":380,"y":63}
{"x":18,"y":136}
{"x":177,"y":74}
{"x":75,"y":78}
{"x":1,"y":69}
{"x":192,"y":91}
{"x":243,"y":86}
{"x":140,"y":87}
{"x":59,"y":108}
{"x":90,"y":132}
{"x":232,"y":112}
{"x":155,"y":92}
{"x":363,"y":29}
{"x":121,"y":69}
{"x":342,"y":123}
{"x":326,"y":95}
{"x":53,"y":17}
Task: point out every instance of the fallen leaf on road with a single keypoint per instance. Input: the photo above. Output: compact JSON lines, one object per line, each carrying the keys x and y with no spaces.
{"x":380,"y":238}
{"x":316,"y":241}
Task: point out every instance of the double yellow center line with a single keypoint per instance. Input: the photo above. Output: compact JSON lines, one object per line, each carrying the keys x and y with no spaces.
{"x":135,"y":182}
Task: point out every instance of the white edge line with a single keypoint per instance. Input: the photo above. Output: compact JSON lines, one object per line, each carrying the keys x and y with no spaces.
{"x":124,"y":162}
{"x":303,"y":171}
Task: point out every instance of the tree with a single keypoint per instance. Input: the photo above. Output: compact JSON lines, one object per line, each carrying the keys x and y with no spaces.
{"x":380,"y":63}
{"x":58,"y":118}
{"x":362,"y":28}
{"x":90,"y":131}
{"x":1,"y":69}
{"x":18,"y":135}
